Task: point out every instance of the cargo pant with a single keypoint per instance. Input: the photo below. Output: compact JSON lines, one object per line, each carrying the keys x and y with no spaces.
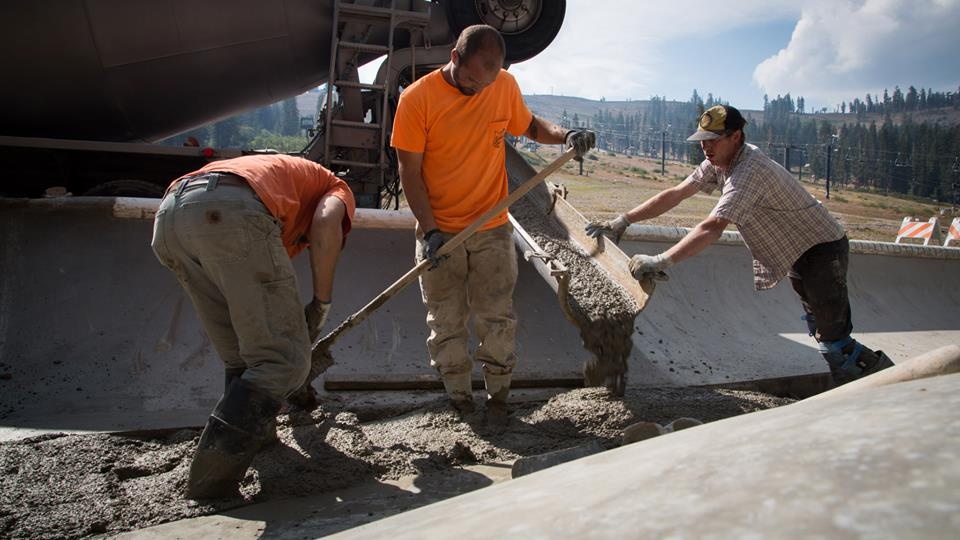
{"x":225,"y":249}
{"x":477,"y":278}
{"x":819,"y":276}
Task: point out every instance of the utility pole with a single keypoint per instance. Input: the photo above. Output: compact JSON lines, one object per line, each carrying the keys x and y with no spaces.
{"x":829,"y":155}
{"x":663,"y":150}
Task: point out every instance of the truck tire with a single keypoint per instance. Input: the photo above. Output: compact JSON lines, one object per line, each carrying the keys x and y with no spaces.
{"x":125,"y":188}
{"x":528,"y":26}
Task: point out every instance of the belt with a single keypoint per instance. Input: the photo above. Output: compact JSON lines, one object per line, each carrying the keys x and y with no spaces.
{"x":209,"y":180}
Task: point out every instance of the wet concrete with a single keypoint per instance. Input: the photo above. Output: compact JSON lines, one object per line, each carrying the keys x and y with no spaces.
{"x":74,"y":486}
{"x":604,"y":313}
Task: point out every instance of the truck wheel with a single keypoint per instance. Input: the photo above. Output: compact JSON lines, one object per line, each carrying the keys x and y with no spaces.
{"x":125,"y":188}
{"x":528,"y":26}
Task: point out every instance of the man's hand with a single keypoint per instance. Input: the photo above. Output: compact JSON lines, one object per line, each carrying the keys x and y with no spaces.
{"x":650,"y":266}
{"x":615,"y":227}
{"x":434,"y":239}
{"x":580,"y":140}
{"x":316,"y":315}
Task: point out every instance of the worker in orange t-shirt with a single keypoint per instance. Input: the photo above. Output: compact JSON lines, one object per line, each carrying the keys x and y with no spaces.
{"x":449,"y":133}
{"x":228,"y":231}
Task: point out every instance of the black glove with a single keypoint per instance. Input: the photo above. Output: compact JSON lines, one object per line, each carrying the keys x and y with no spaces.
{"x":434,"y":239}
{"x":580,"y":140}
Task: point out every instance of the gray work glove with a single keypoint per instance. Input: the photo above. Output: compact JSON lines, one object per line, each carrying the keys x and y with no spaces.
{"x":316,"y":314}
{"x":650,"y":267}
{"x":615,"y":227}
{"x":434,"y":239}
{"x":580,"y":140}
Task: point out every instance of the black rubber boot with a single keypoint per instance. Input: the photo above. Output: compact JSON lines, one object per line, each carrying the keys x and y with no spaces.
{"x":234,"y":433}
{"x":231,"y":374}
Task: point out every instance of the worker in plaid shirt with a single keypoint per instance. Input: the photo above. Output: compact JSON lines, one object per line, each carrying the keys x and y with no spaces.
{"x":788,"y":232}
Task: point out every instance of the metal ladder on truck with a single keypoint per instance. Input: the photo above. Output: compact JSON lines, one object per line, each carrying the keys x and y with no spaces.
{"x":355,"y":140}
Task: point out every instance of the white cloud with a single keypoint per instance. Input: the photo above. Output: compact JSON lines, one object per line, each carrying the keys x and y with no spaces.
{"x":614,"y":48}
{"x":842,"y":49}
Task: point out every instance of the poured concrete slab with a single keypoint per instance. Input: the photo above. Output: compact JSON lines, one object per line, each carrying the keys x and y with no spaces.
{"x":881,"y":462}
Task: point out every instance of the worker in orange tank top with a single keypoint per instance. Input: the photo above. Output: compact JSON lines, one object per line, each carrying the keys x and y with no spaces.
{"x":450,"y":135}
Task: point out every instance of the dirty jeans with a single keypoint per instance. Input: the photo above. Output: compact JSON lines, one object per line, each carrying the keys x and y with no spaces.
{"x":478,"y":277}
{"x":819,"y":276}
{"x":224,"y":247}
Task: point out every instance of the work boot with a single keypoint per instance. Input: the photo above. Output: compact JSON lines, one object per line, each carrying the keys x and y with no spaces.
{"x":235,"y":432}
{"x":498,"y":389}
{"x":460,"y":389}
{"x":850,"y":360}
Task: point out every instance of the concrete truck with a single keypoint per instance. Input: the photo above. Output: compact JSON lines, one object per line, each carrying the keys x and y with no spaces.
{"x":91,"y":84}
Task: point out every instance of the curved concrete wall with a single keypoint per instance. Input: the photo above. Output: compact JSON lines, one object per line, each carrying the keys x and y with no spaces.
{"x":96,"y":335}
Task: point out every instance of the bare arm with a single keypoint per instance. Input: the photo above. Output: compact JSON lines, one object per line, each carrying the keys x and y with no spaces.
{"x":705,"y":233}
{"x":662,"y":202}
{"x":545,"y":132}
{"x":411,"y":178}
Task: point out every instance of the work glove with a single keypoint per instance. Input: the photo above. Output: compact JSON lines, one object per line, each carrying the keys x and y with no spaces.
{"x":316,"y":314}
{"x":615,"y":227}
{"x":580,"y":140}
{"x":434,"y":239}
{"x":650,"y":267}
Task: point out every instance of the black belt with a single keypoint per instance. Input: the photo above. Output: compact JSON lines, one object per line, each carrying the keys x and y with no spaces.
{"x":209,"y":180}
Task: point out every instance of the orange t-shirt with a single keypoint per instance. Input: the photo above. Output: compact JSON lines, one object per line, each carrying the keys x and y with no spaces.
{"x":290,"y":187}
{"x":462,"y":142}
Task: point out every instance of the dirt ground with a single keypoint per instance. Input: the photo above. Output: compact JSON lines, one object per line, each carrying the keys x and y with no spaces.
{"x":76,"y":486}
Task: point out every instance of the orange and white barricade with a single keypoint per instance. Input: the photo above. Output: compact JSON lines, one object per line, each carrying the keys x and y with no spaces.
{"x":927,"y":230}
{"x":953,"y":234}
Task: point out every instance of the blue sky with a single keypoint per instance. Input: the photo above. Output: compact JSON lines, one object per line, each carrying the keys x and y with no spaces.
{"x":824,"y":50}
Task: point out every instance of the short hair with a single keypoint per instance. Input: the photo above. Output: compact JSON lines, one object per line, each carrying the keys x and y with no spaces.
{"x":483,"y":39}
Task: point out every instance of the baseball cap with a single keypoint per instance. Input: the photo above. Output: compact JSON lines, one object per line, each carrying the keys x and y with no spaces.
{"x":716,"y":122}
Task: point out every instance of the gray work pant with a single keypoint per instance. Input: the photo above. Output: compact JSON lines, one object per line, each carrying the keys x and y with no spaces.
{"x":225,"y":249}
{"x":478,"y":277}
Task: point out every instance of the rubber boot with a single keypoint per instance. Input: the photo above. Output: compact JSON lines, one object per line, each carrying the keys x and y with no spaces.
{"x":234,"y":433}
{"x":230,"y":375}
{"x":460,"y":389}
{"x":498,"y":389}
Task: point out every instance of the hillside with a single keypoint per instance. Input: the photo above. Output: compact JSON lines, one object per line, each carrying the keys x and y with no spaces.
{"x":552,"y":107}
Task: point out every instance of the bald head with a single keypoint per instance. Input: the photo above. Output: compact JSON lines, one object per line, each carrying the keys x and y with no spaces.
{"x":482,"y":43}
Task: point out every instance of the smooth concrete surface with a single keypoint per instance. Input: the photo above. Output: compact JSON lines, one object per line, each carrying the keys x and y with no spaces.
{"x":883,"y":462}
{"x":96,"y":335}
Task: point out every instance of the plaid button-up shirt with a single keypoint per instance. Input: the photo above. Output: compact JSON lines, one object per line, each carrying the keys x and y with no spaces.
{"x":777,"y":218}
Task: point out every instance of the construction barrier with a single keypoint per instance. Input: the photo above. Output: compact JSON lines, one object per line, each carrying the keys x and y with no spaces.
{"x":953,"y":233}
{"x":914,"y":228}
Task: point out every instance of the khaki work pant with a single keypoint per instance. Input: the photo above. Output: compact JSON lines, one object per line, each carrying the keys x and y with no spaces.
{"x":225,"y":249}
{"x":477,"y":278}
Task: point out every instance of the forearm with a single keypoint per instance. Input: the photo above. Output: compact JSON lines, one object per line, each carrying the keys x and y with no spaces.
{"x":545,"y":132}
{"x":704,"y":234}
{"x":662,"y":202}
{"x":415,"y":190}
